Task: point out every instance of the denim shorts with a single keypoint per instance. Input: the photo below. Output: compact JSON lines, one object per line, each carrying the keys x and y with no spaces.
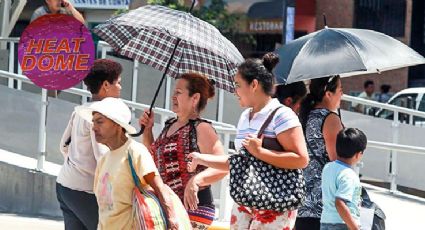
{"x":329,"y":226}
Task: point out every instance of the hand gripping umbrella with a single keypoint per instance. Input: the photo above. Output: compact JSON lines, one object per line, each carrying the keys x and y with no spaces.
{"x":173,"y":42}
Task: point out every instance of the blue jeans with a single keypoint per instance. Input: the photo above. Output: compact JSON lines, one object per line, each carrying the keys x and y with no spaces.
{"x":329,"y":226}
{"x":80,"y":210}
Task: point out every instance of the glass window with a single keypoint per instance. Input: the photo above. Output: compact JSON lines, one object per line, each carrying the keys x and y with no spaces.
{"x":420,"y":120}
{"x":404,"y":100}
{"x":386,"y":16}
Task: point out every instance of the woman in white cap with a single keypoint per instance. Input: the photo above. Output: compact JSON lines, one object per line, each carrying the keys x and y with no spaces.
{"x":113,"y":183}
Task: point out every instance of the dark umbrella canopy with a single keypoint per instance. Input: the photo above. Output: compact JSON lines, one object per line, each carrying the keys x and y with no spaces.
{"x":150,"y":33}
{"x":344,"y":52}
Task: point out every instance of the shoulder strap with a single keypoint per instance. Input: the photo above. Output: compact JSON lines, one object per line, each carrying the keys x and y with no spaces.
{"x":170,"y":121}
{"x":136,"y":178}
{"x":198,"y":121}
{"x":167,"y":125}
{"x":267,"y":122}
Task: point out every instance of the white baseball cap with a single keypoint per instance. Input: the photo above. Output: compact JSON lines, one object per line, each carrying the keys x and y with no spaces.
{"x":112,"y":108}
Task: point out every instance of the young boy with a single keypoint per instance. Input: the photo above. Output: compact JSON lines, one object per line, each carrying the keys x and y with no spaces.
{"x":341,"y":187}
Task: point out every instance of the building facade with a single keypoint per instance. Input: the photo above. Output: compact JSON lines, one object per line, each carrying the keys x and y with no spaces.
{"x":401,"y":19}
{"x":392,"y":17}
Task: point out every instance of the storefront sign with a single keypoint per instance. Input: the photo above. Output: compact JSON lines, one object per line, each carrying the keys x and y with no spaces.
{"x":265,"y":26}
{"x":290,"y":24}
{"x":56,"y":52}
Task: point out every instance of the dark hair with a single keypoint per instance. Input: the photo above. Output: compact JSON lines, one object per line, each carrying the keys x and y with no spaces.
{"x":350,"y":141}
{"x":296,"y":91}
{"x":197,"y":83}
{"x":261,"y":70}
{"x":385,"y":88}
{"x":102,"y":70}
{"x":317,"y":89}
{"x":367,"y":83}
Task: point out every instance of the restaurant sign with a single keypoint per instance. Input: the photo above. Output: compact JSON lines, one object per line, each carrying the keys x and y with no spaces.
{"x":265,"y":26}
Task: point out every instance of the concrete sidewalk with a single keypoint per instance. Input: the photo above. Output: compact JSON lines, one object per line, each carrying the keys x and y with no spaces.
{"x":17,"y":222}
{"x":403,"y":212}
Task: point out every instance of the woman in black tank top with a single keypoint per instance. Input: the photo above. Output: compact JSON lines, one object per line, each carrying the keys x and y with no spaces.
{"x":321,"y":125}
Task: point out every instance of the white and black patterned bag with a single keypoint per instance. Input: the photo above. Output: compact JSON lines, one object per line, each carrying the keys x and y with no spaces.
{"x":259,"y":185}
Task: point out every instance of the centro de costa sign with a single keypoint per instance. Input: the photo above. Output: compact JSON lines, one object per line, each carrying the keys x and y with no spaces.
{"x":56,"y":52}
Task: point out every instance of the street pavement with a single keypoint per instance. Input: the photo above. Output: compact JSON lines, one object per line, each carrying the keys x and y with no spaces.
{"x":402,"y":211}
{"x":18,"y":222}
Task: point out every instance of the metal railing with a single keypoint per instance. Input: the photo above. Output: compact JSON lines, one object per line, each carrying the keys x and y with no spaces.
{"x":105,"y":47}
{"x":394,"y":108}
{"x":11,"y":63}
{"x":394,"y":147}
{"x":223,"y":130}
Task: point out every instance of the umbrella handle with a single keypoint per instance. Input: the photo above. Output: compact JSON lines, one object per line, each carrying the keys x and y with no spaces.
{"x":193,"y":5}
{"x":142,"y":127}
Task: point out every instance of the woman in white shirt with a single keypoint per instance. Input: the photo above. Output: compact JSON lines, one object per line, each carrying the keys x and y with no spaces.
{"x":74,"y":185}
{"x":254,"y":88}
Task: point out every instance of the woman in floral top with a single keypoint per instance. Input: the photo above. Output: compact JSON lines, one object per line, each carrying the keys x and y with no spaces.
{"x":182,"y":135}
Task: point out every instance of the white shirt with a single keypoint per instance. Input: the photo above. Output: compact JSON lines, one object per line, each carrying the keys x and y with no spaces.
{"x":283,"y":120}
{"x":81,"y":156}
{"x":363,"y":108}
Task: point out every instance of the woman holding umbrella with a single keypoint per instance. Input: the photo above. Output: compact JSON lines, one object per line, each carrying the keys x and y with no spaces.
{"x":321,"y":124}
{"x":184,"y":134}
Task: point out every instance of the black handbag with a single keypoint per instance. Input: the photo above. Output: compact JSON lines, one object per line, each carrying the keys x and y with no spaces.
{"x":259,"y":185}
{"x":379,"y":215}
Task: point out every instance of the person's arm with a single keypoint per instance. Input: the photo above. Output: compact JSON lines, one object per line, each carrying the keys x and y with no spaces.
{"x":345,"y":214}
{"x":64,"y":145}
{"x":147,"y":121}
{"x":37,"y":13}
{"x":164,"y":197}
{"x":208,"y":142}
{"x":292,"y":140}
{"x":77,"y":15}
{"x":145,"y":168}
{"x":332,"y":125}
{"x":209,"y":160}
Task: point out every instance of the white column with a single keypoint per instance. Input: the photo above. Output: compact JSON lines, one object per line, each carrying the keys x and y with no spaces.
{"x":5,"y":9}
{"x":225,"y":202}
{"x":19,"y":81}
{"x":134,"y":84}
{"x":11,"y":62}
{"x":167,"y":92}
{"x":42,"y":131}
{"x":393,"y":154}
{"x":220,"y":105}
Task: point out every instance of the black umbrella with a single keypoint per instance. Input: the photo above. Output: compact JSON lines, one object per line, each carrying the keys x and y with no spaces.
{"x":344,"y":52}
